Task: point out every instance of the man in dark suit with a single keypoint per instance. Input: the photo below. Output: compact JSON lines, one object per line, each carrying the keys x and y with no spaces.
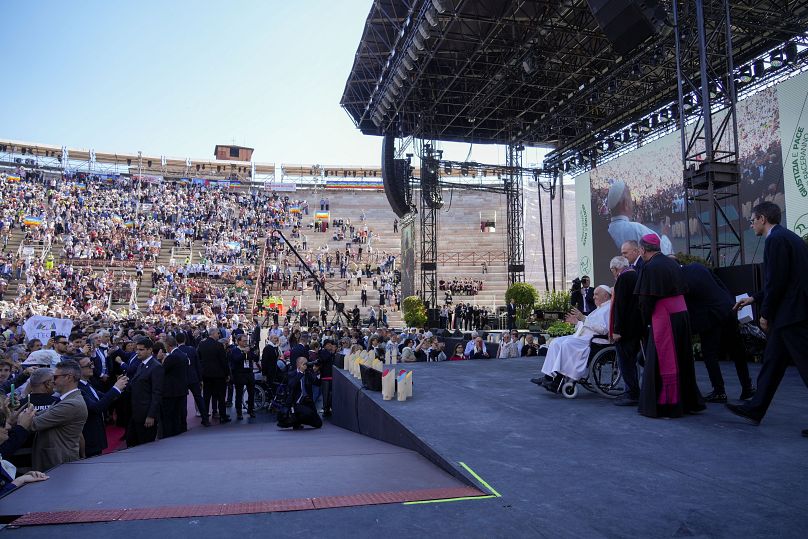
{"x":146,"y":386}
{"x":215,"y":373}
{"x":102,"y":369}
{"x":174,"y":409}
{"x":712,"y":318}
{"x":783,"y":309}
{"x":584,"y":298}
{"x":98,"y":402}
{"x":300,"y":401}
{"x":194,"y":376}
{"x":511,"y":315}
{"x":626,"y":328}
{"x":631,"y":250}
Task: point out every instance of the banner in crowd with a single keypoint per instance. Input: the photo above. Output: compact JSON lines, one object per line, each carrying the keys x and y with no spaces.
{"x":354,"y":184}
{"x":43,"y":327}
{"x":793,"y":99}
{"x":12,"y":178}
{"x":407,"y":227}
{"x":148,"y":178}
{"x":322,"y":216}
{"x":648,"y":192}
{"x":295,"y":209}
{"x":584,"y":224}
{"x":31,"y":220}
{"x":281,"y":187}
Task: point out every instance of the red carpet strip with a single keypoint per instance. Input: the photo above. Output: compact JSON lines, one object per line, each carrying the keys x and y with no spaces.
{"x":243,"y":508}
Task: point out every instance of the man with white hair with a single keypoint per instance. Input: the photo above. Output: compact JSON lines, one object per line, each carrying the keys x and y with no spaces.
{"x":621,"y":206}
{"x":626,"y":327}
{"x":470,"y":345}
{"x":567,"y":356}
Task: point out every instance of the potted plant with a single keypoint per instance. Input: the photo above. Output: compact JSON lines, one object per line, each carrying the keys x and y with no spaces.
{"x":413,"y":311}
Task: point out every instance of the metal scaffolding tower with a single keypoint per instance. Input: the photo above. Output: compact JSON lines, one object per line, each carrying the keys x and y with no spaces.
{"x":706,"y":82}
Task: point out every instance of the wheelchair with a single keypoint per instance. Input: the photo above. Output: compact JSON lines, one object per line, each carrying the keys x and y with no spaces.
{"x":602,"y":372}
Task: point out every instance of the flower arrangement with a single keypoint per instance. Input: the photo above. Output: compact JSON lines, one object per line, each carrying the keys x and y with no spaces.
{"x":560,"y":328}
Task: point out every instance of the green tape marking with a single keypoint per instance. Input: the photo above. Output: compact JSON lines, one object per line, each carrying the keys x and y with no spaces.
{"x":481,"y":480}
{"x":452,"y":499}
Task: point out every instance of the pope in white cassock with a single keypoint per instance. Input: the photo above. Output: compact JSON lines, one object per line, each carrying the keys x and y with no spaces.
{"x":568,"y":355}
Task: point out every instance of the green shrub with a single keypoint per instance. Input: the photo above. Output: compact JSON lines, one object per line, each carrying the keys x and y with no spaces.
{"x":413,"y":311}
{"x":684,"y":258}
{"x":560,"y":328}
{"x":524,"y":296}
{"x":554,"y":301}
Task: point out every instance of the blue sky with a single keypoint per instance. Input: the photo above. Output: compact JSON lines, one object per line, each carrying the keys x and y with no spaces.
{"x":176,"y":78}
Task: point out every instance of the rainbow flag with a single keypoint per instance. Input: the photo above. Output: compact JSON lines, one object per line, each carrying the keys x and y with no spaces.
{"x":295,"y":209}
{"x":117,"y":219}
{"x":81,"y":186}
{"x":129,"y":224}
{"x":13,"y":178}
{"x":31,"y":220}
{"x":322,"y":216}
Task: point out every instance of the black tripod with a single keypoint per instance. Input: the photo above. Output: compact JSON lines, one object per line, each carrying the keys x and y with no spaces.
{"x":339,"y":316}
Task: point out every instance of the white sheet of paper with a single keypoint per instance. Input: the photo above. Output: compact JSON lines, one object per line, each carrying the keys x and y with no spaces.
{"x":744,"y":313}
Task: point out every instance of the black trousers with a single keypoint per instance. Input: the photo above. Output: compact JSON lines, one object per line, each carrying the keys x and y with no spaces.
{"x":173,"y":415}
{"x":325,"y":389}
{"x":627,"y":351}
{"x":137,"y":434}
{"x":214,"y":389}
{"x":718,"y":341}
{"x":783,"y":345}
{"x":241,"y":381}
{"x":306,"y":414}
{"x":196,"y":390}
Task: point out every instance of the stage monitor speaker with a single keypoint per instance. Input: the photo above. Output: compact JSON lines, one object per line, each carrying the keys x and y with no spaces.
{"x":432,"y":318}
{"x":627,"y":23}
{"x":395,"y":176}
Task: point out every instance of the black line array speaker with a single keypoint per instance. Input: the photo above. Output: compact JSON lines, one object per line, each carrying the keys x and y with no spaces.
{"x":395,"y":174}
{"x":627,"y":23}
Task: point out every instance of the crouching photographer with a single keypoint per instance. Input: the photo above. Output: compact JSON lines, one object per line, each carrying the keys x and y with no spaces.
{"x":302,"y":410}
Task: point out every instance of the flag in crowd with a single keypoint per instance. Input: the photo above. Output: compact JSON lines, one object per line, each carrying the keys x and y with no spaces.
{"x":31,"y":220}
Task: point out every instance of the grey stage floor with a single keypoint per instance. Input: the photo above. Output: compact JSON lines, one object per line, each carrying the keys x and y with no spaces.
{"x":565,"y":468}
{"x":231,"y":464}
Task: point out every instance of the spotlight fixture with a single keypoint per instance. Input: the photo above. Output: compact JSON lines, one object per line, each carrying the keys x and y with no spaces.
{"x":431,"y":18}
{"x":529,"y":65}
{"x":439,"y":5}
{"x":759,"y":68}
{"x":447,"y":169}
{"x":790,"y":51}
{"x":412,"y":52}
{"x":745,"y":76}
{"x":423,"y":29}
{"x":776,"y":58}
{"x":418,"y":42}
{"x":407,"y":63}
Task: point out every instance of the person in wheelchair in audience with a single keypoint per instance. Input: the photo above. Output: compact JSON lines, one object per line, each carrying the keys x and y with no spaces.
{"x":567,"y":356}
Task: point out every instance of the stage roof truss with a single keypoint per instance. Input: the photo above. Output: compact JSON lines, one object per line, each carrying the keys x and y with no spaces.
{"x":535,"y":72}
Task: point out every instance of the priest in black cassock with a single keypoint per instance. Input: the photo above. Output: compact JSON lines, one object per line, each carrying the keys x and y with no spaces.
{"x":669,"y":381}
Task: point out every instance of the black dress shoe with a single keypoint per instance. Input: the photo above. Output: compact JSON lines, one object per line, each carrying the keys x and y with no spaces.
{"x":297,"y":427}
{"x":225,"y":419}
{"x":805,"y":432}
{"x":716,"y":396}
{"x":741,"y":411}
{"x":626,"y":400}
{"x":240,"y":418}
{"x":747,"y":393}
{"x":206,"y":423}
{"x":251,"y":414}
{"x":537,"y":381}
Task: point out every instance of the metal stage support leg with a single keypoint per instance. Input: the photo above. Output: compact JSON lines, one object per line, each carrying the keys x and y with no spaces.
{"x":706,"y":80}
{"x":431,"y":202}
{"x":515,"y":204}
